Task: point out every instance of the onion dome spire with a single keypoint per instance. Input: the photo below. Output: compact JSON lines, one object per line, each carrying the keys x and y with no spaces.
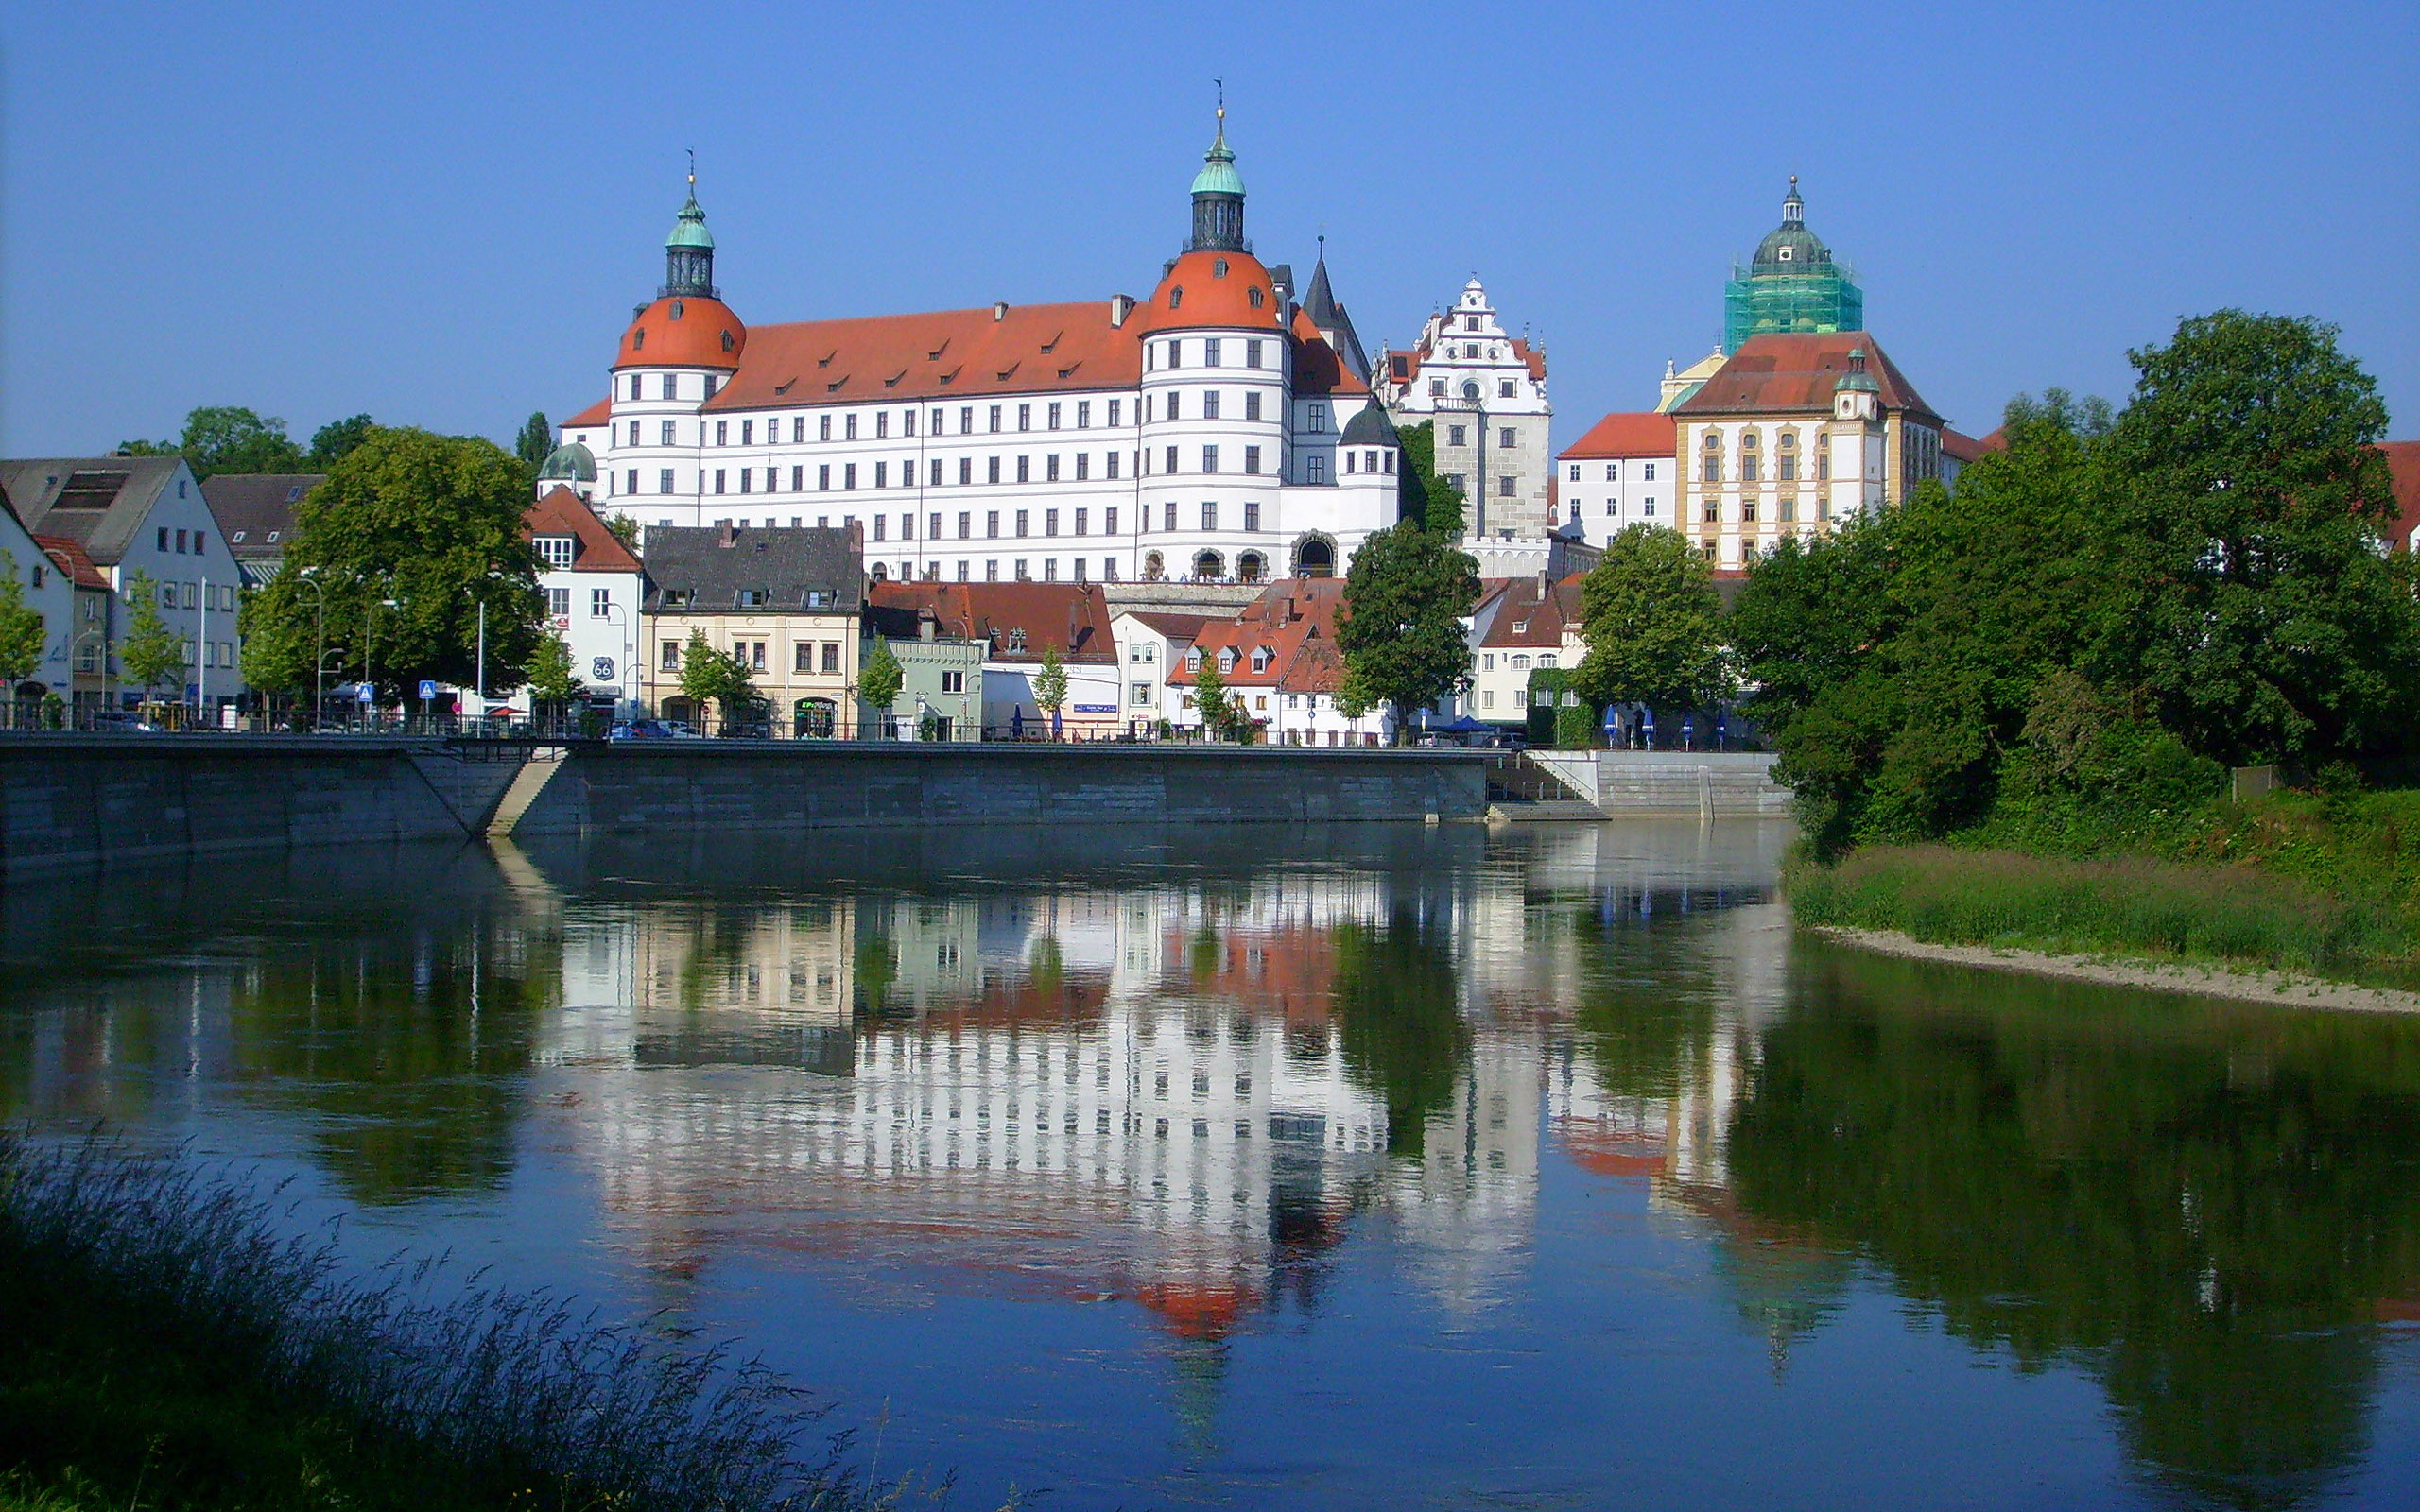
{"x":1219,"y":197}
{"x":689,"y":251}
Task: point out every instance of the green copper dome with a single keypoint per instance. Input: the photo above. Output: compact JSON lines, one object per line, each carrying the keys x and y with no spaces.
{"x":1856,"y":380}
{"x":690,"y":229}
{"x":572,"y":463}
{"x":1219,"y":175}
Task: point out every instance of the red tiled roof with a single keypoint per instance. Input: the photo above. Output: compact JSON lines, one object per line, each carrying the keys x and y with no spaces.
{"x":1295,"y":619}
{"x":1968,"y":448}
{"x":1648,"y":435}
{"x":561,"y":512}
{"x":74,"y":561}
{"x":1209,"y":299}
{"x":1182,"y":628}
{"x":1530,"y":618}
{"x":1534,"y":358}
{"x":945,"y":354}
{"x":1403,"y":367}
{"x":2403,"y":467}
{"x":1073,"y":617}
{"x":595,"y":413}
{"x":1789,"y":373}
{"x":1317,"y":368}
{"x":683,"y":331}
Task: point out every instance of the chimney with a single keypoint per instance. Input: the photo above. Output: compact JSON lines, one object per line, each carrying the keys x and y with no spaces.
{"x":1120,"y":306}
{"x":999,"y":309}
{"x":724,"y":536}
{"x":925,"y":627}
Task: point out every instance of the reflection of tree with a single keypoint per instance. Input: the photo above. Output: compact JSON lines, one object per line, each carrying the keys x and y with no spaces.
{"x":1402,"y":1035}
{"x":2203,"y":1212}
{"x":406,"y":1045}
{"x":875,"y":965}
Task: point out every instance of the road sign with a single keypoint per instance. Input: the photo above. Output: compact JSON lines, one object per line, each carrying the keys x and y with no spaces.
{"x":427,"y":690}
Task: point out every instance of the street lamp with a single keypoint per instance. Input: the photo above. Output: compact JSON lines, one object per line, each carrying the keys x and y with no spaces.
{"x":319,"y":662}
{"x":628,"y":668}
{"x":102,"y":630}
{"x":369,"y":640}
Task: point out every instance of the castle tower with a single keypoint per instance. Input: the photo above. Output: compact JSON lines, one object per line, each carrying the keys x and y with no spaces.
{"x":1791,"y":285}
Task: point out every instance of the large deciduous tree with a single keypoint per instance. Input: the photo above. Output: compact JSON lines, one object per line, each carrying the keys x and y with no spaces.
{"x":336,"y":440}
{"x":710,"y":676}
{"x":1401,"y":635}
{"x":1211,"y":698}
{"x":23,"y":638}
{"x":2261,"y":613}
{"x":432,"y":523}
{"x":1652,"y":623}
{"x":879,"y":679}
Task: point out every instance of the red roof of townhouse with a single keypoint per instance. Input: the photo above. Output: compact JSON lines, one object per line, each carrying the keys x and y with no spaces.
{"x":1283,"y":640}
{"x":595,"y":413}
{"x":1616,"y":436}
{"x":1178,"y":629}
{"x":74,"y":561}
{"x":1793,"y":373}
{"x":1317,"y":368}
{"x":1016,"y":621}
{"x":2403,"y":468}
{"x":595,"y":549}
{"x":1527,"y":614}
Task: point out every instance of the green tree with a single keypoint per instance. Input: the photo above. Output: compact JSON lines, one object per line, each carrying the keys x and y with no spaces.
{"x":23,"y":638}
{"x":230,"y":438}
{"x":624,"y":529}
{"x":709,"y":676}
{"x":1653,"y":625}
{"x":1050,"y":683}
{"x":148,"y":654}
{"x":1421,"y":494}
{"x":2263,"y":618}
{"x":430,"y":522}
{"x":336,"y":440}
{"x":1401,"y":635}
{"x":548,"y":671}
{"x":1211,"y":697}
{"x":879,"y":679}
{"x":536,"y":440}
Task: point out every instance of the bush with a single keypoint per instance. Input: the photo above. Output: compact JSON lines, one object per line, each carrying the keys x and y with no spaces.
{"x":1575,"y":728}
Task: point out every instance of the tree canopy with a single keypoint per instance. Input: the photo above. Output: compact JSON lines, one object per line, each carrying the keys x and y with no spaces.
{"x":1050,"y":683}
{"x":432,"y":523}
{"x":1652,"y":623}
{"x":880,"y":677}
{"x":710,"y":676}
{"x":1215,"y":703}
{"x":148,"y":654}
{"x":336,"y":440}
{"x":1421,"y":494}
{"x":1401,"y":635}
{"x":536,"y":440}
{"x":2104,"y":612}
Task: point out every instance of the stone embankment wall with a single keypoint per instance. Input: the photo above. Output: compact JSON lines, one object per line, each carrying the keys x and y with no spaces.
{"x":1724,"y":784}
{"x":690,"y":787}
{"x":69,"y":800}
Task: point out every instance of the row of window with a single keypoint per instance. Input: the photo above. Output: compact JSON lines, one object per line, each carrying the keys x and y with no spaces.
{"x":1507,"y":484}
{"x":221,"y":596}
{"x":1614,"y":472}
{"x":1505,"y":388}
{"x":195,"y":543}
{"x":1506,"y":438}
{"x":1155,"y":407}
{"x":600,"y":603}
{"x":1517,"y":661}
{"x":1785,"y":508}
{"x":805,"y":656}
{"x":1212,"y":350}
{"x":851,"y":475}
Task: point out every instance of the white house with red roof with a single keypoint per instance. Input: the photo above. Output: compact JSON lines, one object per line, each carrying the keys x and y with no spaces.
{"x":1623,"y":472}
{"x":1205,"y":433}
{"x":1279,"y":659}
{"x":1522,"y":625}
{"x":1485,"y":390}
{"x":594,"y":588}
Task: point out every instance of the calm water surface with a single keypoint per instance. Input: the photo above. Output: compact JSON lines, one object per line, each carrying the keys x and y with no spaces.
{"x":1360,"y":1168}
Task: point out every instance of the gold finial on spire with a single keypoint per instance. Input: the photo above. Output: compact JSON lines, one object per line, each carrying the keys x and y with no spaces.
{"x":1222,"y":97}
{"x":693,"y":170}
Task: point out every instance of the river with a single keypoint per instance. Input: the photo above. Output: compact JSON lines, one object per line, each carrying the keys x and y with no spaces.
{"x":1437,"y":1167}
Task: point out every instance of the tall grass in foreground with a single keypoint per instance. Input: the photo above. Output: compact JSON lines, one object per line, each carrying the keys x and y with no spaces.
{"x":2229,"y":914}
{"x":155,"y":1323}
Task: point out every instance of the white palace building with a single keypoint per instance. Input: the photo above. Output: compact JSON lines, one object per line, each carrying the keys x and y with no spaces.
{"x":1213,"y":432}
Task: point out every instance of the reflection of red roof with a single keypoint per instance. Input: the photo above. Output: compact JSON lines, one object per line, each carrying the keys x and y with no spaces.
{"x":595,"y":549}
{"x":1793,"y":373}
{"x":1295,"y":621}
{"x":1197,"y":1311}
{"x":1616,"y":436}
{"x":74,"y":561}
{"x":1073,"y":617}
{"x":1611,"y":1153}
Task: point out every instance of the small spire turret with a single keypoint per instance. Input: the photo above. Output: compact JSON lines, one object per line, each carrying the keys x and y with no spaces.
{"x":689,"y":251}
{"x":1219,"y":195}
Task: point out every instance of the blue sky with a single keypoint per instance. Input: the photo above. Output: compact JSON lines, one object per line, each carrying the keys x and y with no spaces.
{"x":441,"y":214}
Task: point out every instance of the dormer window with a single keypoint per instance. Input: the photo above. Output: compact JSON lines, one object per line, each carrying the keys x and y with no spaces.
{"x":238,"y":538}
{"x":273,"y":537}
{"x":751,"y":598}
{"x":1176,"y":297}
{"x":1227,"y":659}
{"x":1781,"y":254}
{"x":1017,"y":641}
{"x":1260,"y":659}
{"x":1217,"y":267}
{"x":638,"y":339}
{"x":1255,"y":297}
{"x":555,"y":551}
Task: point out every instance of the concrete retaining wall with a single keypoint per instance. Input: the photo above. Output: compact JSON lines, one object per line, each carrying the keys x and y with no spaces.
{"x":708,"y":786}
{"x":1671,"y":781}
{"x":70,"y":800}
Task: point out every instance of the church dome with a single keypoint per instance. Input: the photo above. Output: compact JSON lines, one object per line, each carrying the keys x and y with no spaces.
{"x":571,"y":463}
{"x":683,"y":331}
{"x":1789,"y":247}
{"x":689,"y":227}
{"x":1213,"y":289}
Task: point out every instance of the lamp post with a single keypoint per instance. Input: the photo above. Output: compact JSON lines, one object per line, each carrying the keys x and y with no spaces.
{"x":87,"y":633}
{"x":320,"y":660}
{"x":369,"y":641}
{"x":628,"y":668}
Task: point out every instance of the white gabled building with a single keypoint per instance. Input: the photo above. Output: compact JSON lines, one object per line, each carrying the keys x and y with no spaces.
{"x":1486,"y":391}
{"x":594,"y":589}
{"x":1623,"y":472}
{"x":1194,"y":434}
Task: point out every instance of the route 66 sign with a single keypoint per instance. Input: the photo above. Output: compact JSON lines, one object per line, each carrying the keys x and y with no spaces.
{"x":601,"y":669}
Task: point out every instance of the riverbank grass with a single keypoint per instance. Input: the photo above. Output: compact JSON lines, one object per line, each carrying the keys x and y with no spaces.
{"x":2301,"y":883}
{"x":164,"y":1345}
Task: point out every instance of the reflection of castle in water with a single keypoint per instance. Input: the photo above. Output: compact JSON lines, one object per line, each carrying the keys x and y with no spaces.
{"x":1142,"y":1092}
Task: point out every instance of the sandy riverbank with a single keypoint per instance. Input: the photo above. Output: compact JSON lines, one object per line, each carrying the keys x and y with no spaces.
{"x":2206,"y":981}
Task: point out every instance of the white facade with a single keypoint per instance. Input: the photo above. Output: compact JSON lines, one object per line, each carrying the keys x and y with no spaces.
{"x":1486,"y":391}
{"x":48,"y":592}
{"x":596,"y":614}
{"x":1146,"y":655}
{"x":1605,"y":495}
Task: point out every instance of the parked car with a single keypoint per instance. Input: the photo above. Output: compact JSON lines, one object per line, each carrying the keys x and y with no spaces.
{"x":120,"y":721}
{"x":680,"y":729}
{"x":638,"y":729}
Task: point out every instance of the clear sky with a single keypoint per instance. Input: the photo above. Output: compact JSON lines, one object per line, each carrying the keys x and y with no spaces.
{"x":443,"y":214}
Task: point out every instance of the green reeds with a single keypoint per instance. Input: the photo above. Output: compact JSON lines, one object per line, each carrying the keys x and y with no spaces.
{"x":2226,"y":913}
{"x":164,"y":1344}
